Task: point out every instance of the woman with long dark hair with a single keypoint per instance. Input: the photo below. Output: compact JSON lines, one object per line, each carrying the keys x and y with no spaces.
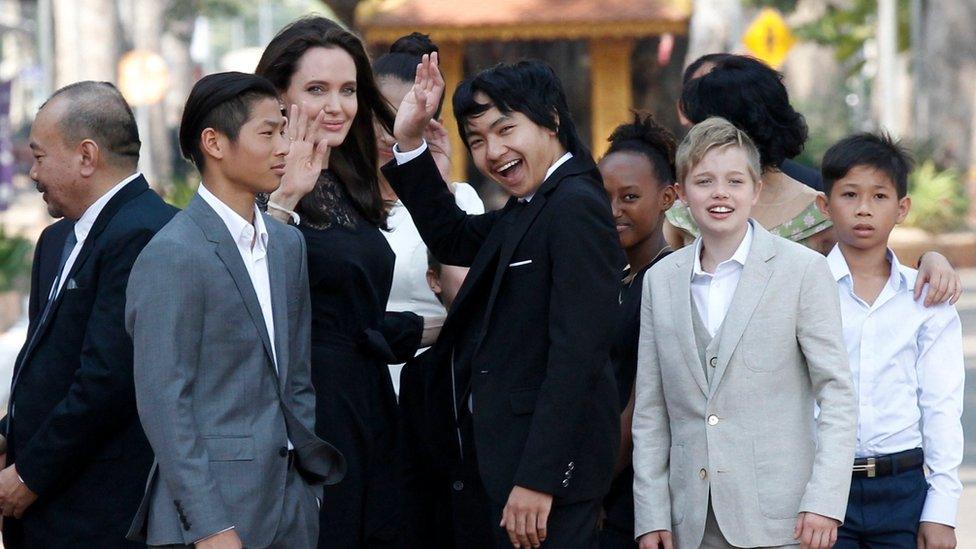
{"x":332,"y":192}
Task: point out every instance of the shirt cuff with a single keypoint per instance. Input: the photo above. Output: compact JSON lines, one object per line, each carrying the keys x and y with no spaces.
{"x":214,"y":534}
{"x":404,"y":157}
{"x":940,"y":508}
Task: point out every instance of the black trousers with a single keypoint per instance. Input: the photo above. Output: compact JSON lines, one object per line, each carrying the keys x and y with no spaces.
{"x":884,"y":511}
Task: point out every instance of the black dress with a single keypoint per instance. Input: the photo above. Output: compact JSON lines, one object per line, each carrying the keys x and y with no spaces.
{"x":350,"y":269}
{"x":618,"y":525}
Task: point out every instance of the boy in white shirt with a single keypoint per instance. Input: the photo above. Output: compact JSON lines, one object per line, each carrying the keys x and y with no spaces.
{"x":906,"y":359}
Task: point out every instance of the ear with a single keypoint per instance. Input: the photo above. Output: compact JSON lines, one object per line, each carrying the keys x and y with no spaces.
{"x":555,"y":116}
{"x":667,"y":197}
{"x":433,"y":282}
{"x":759,"y":188}
{"x":904,"y":206}
{"x":89,"y":152}
{"x":213,"y":143}
{"x":823,"y":205}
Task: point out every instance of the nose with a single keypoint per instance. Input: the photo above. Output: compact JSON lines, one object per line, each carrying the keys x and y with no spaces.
{"x":863,"y":208}
{"x":281,"y":145}
{"x":331,"y":103}
{"x":494,"y":148}
{"x":720,"y":190}
{"x":615,"y":208}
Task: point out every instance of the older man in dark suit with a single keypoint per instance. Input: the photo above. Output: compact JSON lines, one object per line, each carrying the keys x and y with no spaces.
{"x":76,"y":456}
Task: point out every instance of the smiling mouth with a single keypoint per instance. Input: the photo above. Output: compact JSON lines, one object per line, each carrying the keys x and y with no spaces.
{"x":721,"y":210}
{"x":508,"y":168}
{"x":333,"y":126}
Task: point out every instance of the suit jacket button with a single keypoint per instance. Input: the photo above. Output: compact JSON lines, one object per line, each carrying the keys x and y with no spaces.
{"x":283,"y":451}
{"x":702,"y":474}
{"x":571,"y":466}
{"x":713,"y":419}
{"x":713,"y":361}
{"x":565,"y":482}
{"x":458,"y":486}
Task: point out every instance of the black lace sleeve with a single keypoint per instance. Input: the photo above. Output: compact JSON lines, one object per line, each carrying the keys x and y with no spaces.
{"x":328,"y":205}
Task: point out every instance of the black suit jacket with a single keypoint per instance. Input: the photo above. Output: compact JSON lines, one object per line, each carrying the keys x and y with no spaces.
{"x":544,"y":279}
{"x":72,"y":425}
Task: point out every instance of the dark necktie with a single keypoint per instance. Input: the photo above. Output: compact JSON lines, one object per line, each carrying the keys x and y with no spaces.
{"x":69,"y":244}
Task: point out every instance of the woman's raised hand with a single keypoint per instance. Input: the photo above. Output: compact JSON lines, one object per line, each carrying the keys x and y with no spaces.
{"x":419,"y":105}
{"x":307,"y":155}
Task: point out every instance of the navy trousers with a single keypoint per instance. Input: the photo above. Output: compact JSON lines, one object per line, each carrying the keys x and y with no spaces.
{"x":884,"y":511}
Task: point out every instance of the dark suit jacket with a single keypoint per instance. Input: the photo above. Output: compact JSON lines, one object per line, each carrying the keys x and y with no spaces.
{"x":72,"y":426}
{"x":544,"y":277}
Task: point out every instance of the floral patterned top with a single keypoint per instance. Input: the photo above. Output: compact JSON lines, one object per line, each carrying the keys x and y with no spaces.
{"x":807,"y":223}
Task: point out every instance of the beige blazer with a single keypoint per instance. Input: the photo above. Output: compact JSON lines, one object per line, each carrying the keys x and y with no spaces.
{"x":749,"y":440}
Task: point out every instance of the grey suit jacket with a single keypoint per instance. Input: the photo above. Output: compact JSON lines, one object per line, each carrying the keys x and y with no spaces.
{"x":763,"y":457}
{"x":216,"y":412}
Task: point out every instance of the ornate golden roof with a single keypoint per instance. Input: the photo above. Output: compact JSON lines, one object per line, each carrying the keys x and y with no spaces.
{"x":473,"y":20}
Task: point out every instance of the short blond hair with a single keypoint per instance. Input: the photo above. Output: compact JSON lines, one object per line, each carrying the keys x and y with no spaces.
{"x":714,"y":132}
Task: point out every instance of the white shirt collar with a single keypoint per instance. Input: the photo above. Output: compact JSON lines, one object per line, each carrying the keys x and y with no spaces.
{"x":897,"y":278}
{"x":740,"y":255}
{"x":242,"y":231}
{"x":87,"y":220}
{"x":562,"y":160}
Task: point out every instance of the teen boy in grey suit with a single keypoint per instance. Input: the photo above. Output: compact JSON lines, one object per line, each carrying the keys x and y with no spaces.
{"x":740,"y":336}
{"x":218,"y":308}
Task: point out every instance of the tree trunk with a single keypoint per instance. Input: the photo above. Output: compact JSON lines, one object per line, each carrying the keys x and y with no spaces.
{"x":86,"y":40}
{"x":716,"y":26}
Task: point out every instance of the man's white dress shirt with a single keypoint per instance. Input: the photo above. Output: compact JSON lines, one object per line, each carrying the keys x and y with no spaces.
{"x":907,"y":363}
{"x":712,"y":292}
{"x":254,"y":252}
{"x":84,"y":226}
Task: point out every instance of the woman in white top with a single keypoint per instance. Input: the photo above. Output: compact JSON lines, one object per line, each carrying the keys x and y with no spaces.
{"x":394,"y":73}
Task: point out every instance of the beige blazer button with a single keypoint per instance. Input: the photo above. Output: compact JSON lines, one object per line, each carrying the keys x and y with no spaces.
{"x":713,"y":361}
{"x":713,"y":419}
{"x":702,"y":474}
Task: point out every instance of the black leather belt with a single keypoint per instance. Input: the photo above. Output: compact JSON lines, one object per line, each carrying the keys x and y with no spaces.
{"x":891,"y":464}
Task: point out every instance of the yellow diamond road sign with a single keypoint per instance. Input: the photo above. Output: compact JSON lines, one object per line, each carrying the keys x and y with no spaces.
{"x":769,"y":38}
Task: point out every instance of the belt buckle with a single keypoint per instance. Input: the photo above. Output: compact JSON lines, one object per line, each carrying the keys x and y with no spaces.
{"x":871,"y":467}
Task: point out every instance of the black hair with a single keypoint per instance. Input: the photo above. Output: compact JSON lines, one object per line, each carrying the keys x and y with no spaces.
{"x":402,"y":60}
{"x":751,"y":95}
{"x":529,"y":87}
{"x":97,"y":111}
{"x":649,"y":139}
{"x":880,"y":152}
{"x":221,"y":101}
{"x":354,"y":162}
{"x":708,"y":58}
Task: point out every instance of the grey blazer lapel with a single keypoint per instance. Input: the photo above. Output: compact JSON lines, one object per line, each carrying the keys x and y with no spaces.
{"x":215,"y":230}
{"x":277,"y":274}
{"x":748,"y":293}
{"x":681,"y":304}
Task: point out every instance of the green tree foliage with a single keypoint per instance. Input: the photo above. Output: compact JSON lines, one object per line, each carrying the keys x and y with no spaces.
{"x":847,"y":25}
{"x":939,"y":200}
{"x":15,"y":261}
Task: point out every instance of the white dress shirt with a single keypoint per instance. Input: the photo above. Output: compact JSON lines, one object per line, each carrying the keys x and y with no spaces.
{"x":254,"y":252}
{"x":712,"y":292}
{"x":907,"y":363}
{"x":84,"y":226}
